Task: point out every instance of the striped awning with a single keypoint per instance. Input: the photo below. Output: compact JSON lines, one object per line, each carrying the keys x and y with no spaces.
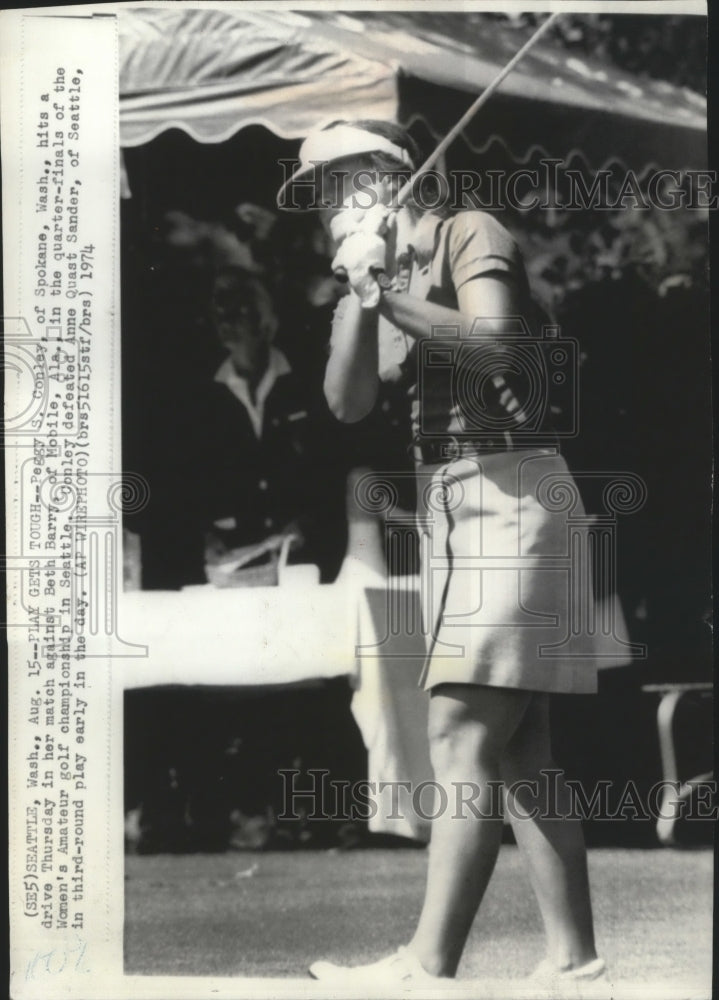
{"x":213,"y":71}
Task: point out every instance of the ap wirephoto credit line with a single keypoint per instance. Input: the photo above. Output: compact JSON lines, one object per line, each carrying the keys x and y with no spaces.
{"x":358,"y":462}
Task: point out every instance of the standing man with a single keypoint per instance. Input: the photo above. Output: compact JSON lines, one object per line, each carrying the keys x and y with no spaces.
{"x":266,"y":481}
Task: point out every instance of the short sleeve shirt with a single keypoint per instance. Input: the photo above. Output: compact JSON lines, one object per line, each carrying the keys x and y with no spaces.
{"x":460,"y":387}
{"x":469,"y":245}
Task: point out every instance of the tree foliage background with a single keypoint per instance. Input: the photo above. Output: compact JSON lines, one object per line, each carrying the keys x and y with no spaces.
{"x":672,"y":48}
{"x":567,"y":251}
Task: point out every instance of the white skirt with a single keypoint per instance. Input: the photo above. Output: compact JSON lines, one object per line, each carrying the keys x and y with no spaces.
{"x":506,"y":574}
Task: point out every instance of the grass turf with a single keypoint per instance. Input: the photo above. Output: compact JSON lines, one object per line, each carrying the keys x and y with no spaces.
{"x":242,"y":914}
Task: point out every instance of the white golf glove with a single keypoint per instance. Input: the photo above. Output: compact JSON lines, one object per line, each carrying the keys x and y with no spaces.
{"x":362,"y":255}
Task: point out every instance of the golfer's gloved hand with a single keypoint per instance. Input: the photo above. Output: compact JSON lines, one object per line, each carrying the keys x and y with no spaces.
{"x":363,"y":255}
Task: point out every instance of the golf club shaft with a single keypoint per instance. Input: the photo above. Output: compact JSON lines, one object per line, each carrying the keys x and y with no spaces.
{"x":340,"y":274}
{"x":474,"y":108}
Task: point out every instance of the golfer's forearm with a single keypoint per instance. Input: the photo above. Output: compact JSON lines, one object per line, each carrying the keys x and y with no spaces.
{"x":418,"y":318}
{"x":415,"y":316}
{"x":351,"y":376}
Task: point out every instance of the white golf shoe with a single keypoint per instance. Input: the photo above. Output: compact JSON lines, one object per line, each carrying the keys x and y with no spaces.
{"x":547,"y":972}
{"x":401,"y":968}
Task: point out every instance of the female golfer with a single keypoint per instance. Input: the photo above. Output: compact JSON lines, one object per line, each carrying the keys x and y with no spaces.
{"x":456,"y":290}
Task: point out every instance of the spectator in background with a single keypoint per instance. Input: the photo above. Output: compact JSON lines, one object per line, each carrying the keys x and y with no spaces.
{"x":249,"y":432}
{"x":264,"y":484}
{"x":175,"y":315}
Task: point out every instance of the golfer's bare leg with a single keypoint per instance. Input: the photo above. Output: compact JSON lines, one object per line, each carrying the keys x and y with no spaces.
{"x":469,"y":728}
{"x":554,"y":848}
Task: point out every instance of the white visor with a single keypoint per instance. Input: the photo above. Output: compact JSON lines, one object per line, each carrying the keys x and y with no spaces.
{"x":333,"y":144}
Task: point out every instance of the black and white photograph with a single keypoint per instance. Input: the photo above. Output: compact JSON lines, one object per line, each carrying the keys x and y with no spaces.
{"x":359,"y":465}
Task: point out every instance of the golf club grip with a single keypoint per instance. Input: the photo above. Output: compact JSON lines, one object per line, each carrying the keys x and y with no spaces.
{"x":342,"y":276}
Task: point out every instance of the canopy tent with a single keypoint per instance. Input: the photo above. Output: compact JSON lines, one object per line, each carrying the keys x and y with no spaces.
{"x":211,"y":72}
